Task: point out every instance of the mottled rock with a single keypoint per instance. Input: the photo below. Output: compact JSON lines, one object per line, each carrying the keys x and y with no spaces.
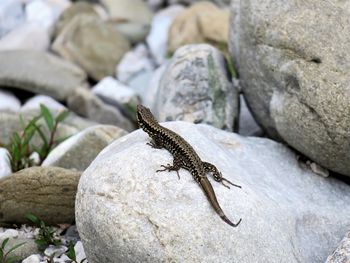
{"x":201,"y":23}
{"x":195,"y":87}
{"x":91,"y":43}
{"x":116,"y":93}
{"x":133,"y":63}
{"x":157,"y":38}
{"x":80,"y":150}
{"x":39,"y":72}
{"x":342,"y":253}
{"x":68,"y":14}
{"x":9,"y":102}
{"x":26,"y":36}
{"x":132,"y":17}
{"x":87,"y":104}
{"x":11,"y":15}
{"x":293,"y":61}
{"x":152,"y":217}
{"x":5,"y":165}
{"x":47,"y":192}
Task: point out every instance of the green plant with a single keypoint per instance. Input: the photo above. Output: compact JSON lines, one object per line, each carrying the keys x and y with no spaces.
{"x":4,"y":256}
{"x":20,"y":148}
{"x":71,"y":254}
{"x":46,"y":235}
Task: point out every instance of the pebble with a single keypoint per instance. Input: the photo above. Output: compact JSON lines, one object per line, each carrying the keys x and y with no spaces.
{"x":9,"y":233}
{"x":32,"y":259}
{"x":58,"y":250}
{"x":9,"y":102}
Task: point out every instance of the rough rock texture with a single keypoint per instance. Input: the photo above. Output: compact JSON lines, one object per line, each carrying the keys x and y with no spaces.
{"x":342,"y":253}
{"x":293,"y":61}
{"x":89,"y":105}
{"x":28,"y":248}
{"x":80,"y":150}
{"x":132,"y":17}
{"x":146,"y":216}
{"x":39,"y":72}
{"x":200,"y":23}
{"x":47,"y":192}
{"x":91,"y":43}
{"x":196,"y":87}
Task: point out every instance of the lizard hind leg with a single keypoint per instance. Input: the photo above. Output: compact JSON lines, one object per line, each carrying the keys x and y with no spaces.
{"x":210,"y":168}
{"x":175,"y":167}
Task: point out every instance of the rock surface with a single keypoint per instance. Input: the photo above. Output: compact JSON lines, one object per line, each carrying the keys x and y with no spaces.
{"x":77,"y":42}
{"x":29,"y":247}
{"x":47,"y":192}
{"x":39,"y":72}
{"x":342,"y":253}
{"x":9,"y":102}
{"x":132,"y":17}
{"x":87,"y":104}
{"x":195,"y":87}
{"x":146,"y":216}
{"x":247,"y":124}
{"x":293,"y":61}
{"x":5,"y":165}
{"x":35,"y":102}
{"x":202,"y":22}
{"x":80,"y":150}
{"x":11,"y":15}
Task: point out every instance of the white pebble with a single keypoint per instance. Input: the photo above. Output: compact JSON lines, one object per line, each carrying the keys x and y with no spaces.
{"x":32,"y":259}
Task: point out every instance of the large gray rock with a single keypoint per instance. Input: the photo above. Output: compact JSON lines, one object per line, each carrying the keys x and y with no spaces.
{"x":39,"y":72}
{"x":91,"y":43}
{"x":80,"y":150}
{"x":196,"y":87}
{"x":47,"y":192}
{"x":293,"y":60}
{"x":288,"y":214}
{"x":342,"y":253}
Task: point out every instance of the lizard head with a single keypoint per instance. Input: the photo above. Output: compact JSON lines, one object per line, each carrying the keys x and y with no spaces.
{"x":144,"y":116}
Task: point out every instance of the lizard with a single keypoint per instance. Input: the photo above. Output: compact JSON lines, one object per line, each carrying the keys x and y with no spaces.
{"x":184,"y":157}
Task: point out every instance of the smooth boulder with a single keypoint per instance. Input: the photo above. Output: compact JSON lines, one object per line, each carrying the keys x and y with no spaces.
{"x":127,"y":212}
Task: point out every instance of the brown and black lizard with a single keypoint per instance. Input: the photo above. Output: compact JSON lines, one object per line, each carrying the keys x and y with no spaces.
{"x":184,"y":157}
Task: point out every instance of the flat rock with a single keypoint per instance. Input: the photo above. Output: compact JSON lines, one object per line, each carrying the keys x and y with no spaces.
{"x":342,"y":253}
{"x":293,"y":81}
{"x":47,"y":192}
{"x":145,"y":216}
{"x":203,"y":22}
{"x":39,"y":72}
{"x":80,"y":150}
{"x":132,"y":17}
{"x":26,"y":36}
{"x":195,"y":87}
{"x":9,"y":102}
{"x":87,"y":104}
{"x":91,"y":43}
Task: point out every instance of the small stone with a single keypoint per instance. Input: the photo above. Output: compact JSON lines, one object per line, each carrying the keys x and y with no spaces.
{"x":35,"y":102}
{"x":5,"y":164}
{"x":57,"y":250}
{"x":87,"y":104}
{"x":9,"y":233}
{"x":318,"y":169}
{"x":80,"y":150}
{"x":201,"y":23}
{"x":157,"y":39}
{"x":78,"y":43}
{"x":134,"y":62}
{"x":116,"y":93}
{"x":11,"y":15}
{"x":79,"y":251}
{"x":9,"y":102}
{"x":32,"y":259}
{"x":39,"y":72}
{"x":30,"y":35}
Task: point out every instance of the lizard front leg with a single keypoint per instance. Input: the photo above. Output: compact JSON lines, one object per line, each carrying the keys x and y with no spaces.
{"x":156,"y":143}
{"x":177,"y":164}
{"x":210,"y":168}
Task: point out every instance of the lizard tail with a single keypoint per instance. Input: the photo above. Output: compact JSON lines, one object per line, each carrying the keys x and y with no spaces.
{"x":209,"y":192}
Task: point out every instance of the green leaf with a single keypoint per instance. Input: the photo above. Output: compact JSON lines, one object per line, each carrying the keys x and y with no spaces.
{"x":28,"y":135}
{"x":62,"y":116}
{"x":3,"y":244}
{"x":16,"y":138}
{"x":47,"y":116}
{"x":41,"y":134}
{"x":71,"y":252}
{"x":33,"y":218}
